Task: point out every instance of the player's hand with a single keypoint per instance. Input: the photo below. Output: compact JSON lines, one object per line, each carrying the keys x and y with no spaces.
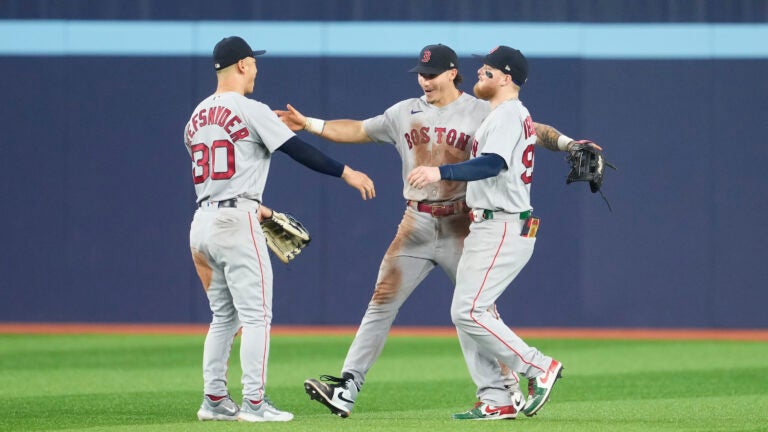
{"x":423,"y":175}
{"x":359,"y":181}
{"x":292,"y":118}
{"x":264,"y":213}
{"x":587,"y":142}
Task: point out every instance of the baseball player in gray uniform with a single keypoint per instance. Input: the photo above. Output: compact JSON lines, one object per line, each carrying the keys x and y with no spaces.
{"x":230,"y":139}
{"x":435,"y":129}
{"x":501,"y":236}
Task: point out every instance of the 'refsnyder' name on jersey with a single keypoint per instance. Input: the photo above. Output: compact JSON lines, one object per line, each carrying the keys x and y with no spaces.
{"x":217,"y":116}
{"x":441,"y":135}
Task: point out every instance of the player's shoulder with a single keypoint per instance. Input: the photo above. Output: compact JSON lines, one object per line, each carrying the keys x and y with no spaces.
{"x":408,"y":105}
{"x":253,"y":108}
{"x":474,"y":104}
{"x":506,"y":111}
{"x":516,"y":107}
{"x":470,"y":99}
{"x":416,"y":101}
{"x":235,"y":98}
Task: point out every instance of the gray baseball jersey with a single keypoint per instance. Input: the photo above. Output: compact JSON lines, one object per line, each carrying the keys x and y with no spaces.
{"x":508,"y":132}
{"x":230,"y":139}
{"x":427,"y":135}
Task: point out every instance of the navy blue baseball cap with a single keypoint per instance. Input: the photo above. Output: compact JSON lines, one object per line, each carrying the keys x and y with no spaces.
{"x":231,"y":50}
{"x":436,"y":59}
{"x":508,"y":60}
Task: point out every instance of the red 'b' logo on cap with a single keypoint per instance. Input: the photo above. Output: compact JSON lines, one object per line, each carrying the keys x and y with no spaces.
{"x":426,"y":56}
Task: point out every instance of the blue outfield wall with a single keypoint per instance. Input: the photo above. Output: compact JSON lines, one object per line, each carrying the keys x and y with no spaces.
{"x":98,"y":199}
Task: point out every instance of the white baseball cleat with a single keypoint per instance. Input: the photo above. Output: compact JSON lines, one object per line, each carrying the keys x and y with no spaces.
{"x":263,"y":411}
{"x":222,"y":409}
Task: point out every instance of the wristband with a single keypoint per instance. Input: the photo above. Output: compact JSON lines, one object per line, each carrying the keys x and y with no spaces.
{"x":562,"y":142}
{"x":314,"y":125}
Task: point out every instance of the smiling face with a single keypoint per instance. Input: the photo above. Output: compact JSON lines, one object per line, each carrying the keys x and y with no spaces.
{"x":488,"y":81}
{"x":439,"y":89}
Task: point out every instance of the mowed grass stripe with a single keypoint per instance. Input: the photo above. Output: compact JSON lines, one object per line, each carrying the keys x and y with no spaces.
{"x":153,"y":383}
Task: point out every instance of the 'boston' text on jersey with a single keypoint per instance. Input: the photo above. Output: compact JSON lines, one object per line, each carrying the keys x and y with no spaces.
{"x":444,"y":136}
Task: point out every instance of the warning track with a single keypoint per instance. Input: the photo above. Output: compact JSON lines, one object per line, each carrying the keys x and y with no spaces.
{"x":289,"y":330}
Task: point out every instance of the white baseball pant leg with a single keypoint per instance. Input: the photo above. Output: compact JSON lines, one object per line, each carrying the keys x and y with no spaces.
{"x":240,"y":295}
{"x":494,"y":254}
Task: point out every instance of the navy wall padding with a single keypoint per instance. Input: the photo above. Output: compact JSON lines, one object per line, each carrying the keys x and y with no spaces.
{"x":97,"y":196}
{"x":651,"y":11}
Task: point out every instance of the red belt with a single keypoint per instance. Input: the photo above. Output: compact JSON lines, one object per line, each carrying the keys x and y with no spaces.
{"x":440,"y":210}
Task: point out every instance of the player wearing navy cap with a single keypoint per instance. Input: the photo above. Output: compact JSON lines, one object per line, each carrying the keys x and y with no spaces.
{"x":501,"y":236}
{"x":230,"y":139}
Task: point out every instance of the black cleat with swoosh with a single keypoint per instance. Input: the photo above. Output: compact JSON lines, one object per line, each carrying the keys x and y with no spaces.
{"x":338,"y":394}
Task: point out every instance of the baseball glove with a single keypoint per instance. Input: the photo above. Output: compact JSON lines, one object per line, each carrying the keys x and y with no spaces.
{"x":587,"y":164}
{"x":286,"y":236}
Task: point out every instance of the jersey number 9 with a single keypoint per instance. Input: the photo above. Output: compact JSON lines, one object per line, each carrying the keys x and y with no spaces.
{"x":527,"y":175}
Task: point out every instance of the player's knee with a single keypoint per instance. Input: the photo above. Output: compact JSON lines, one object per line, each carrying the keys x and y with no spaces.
{"x":381,"y":311}
{"x":460,"y":316}
{"x":224,"y":315}
{"x":225,"y":322}
{"x":254,"y":317}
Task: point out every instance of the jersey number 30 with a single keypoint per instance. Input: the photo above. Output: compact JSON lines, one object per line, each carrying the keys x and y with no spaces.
{"x":218,"y":162}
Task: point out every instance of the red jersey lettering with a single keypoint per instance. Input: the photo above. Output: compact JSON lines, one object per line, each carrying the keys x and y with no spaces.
{"x":462,"y":142}
{"x":440,"y":131}
{"x":527,"y":175}
{"x":242,"y":133}
{"x":528,"y":127}
{"x":424,"y":135}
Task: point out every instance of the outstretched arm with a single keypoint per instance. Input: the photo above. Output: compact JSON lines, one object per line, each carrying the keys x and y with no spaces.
{"x":341,"y":131}
{"x":316,"y":160}
{"x":550,"y":138}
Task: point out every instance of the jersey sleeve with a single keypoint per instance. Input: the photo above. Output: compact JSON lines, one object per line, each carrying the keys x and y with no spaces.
{"x":501,"y":138}
{"x":265,"y":123}
{"x":383,"y":127}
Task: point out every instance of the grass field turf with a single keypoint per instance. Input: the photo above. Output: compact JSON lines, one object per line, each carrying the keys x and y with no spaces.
{"x":153,"y":383}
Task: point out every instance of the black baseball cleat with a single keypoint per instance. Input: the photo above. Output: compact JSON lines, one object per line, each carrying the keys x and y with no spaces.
{"x":339,"y":395}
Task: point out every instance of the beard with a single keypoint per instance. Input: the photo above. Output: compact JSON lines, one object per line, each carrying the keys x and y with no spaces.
{"x":482,"y":92}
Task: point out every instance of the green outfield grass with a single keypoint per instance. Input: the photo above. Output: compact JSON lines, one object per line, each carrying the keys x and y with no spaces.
{"x":153,"y":383}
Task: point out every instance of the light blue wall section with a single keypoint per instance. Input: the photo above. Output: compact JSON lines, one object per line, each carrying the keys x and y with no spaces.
{"x":385,"y":39}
